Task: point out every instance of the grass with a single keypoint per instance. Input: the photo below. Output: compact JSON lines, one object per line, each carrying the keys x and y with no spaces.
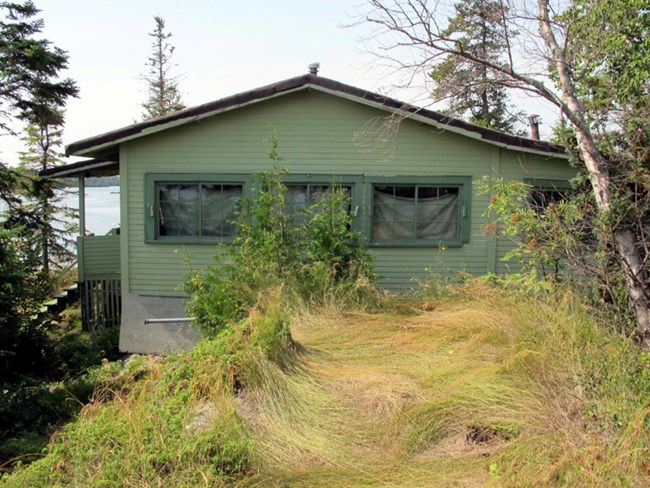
{"x":474,"y":388}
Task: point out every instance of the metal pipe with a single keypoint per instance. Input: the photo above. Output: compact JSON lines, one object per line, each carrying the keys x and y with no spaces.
{"x":168,"y":321}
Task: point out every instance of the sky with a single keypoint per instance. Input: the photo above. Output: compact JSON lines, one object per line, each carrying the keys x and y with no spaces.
{"x":222,"y":47}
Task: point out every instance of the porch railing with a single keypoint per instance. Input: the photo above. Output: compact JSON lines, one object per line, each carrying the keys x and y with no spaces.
{"x":99,"y":280}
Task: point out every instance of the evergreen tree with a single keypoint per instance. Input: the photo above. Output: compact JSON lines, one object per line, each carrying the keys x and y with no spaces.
{"x":30,"y":87}
{"x":54,"y":224}
{"x":474,"y":91}
{"x":30,"y":90}
{"x":164,"y":95}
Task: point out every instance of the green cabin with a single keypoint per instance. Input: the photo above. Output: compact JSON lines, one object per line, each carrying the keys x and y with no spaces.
{"x":409,"y":171}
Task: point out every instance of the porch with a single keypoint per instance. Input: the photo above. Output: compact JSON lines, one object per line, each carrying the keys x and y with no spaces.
{"x":98,"y":257}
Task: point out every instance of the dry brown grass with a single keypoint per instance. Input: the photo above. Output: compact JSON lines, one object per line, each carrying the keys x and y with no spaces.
{"x":443,"y":392}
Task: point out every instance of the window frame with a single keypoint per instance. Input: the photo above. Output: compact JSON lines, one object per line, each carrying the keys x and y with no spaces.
{"x":353,"y":181}
{"x":152,"y":201}
{"x":464,"y":185}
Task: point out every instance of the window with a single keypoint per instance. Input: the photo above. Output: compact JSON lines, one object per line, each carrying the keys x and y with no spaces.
{"x":191,"y":208}
{"x":197,"y":209}
{"x":429,"y":213}
{"x":303,"y":191}
{"x":546,"y":192}
{"x":302,"y":197}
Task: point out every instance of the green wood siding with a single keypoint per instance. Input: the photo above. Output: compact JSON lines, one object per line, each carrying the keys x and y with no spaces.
{"x":316,"y":134}
{"x":99,"y":257}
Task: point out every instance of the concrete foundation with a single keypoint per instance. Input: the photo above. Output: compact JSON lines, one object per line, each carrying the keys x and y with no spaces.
{"x":138,"y":337}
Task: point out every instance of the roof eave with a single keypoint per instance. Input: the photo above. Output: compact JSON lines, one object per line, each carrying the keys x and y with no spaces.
{"x":106,"y":143}
{"x":89,"y":167}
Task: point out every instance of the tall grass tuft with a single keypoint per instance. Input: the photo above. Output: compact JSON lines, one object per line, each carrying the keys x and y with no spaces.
{"x":475,"y":386}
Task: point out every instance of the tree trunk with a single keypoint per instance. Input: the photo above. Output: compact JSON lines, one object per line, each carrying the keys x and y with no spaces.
{"x":634,"y":273}
{"x":627,"y":250}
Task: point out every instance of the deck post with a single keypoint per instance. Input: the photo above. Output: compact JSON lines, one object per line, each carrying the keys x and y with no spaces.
{"x":82,"y":204}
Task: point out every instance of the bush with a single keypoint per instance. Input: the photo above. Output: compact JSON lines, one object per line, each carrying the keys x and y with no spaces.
{"x":314,"y":256}
{"x":22,"y":290}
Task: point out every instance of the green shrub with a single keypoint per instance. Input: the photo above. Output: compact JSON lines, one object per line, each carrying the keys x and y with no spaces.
{"x":312,"y":256}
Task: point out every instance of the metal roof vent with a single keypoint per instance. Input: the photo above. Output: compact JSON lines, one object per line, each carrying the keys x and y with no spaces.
{"x":313,"y":68}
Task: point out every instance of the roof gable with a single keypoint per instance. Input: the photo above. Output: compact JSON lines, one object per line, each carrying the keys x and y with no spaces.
{"x":105,"y":145}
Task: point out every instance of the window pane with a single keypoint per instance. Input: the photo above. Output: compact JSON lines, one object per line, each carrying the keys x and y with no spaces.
{"x":393,"y":213}
{"x":169,"y":209}
{"x":297,"y":194}
{"x":211,"y":209}
{"x":317,"y":193}
{"x":192,"y":209}
{"x":218,"y":209}
{"x":413,"y":213}
{"x":541,"y":198}
{"x":169,"y":227}
{"x":188,"y":209}
{"x":304,"y":197}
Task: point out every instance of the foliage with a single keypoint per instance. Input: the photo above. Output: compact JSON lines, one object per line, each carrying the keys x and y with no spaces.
{"x":588,"y":58}
{"x":164,"y":96}
{"x":610,"y":59}
{"x":21,"y":293}
{"x":52,"y":232}
{"x":48,"y":380}
{"x":31,"y":410}
{"x":542,"y":235}
{"x":317,"y":256}
{"x":52,"y":377}
{"x":29,"y":67}
{"x":557,"y":242}
{"x":172,"y":422}
{"x":32,"y":91}
{"x":474,"y":91}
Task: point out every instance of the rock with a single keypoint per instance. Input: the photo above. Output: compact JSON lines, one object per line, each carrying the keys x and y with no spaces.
{"x":203,"y":416}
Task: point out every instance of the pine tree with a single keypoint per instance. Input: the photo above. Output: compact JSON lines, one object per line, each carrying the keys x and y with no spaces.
{"x":54,"y":223}
{"x":164,"y":95}
{"x":473,"y":90}
{"x":30,"y":90}
{"x":30,"y":87}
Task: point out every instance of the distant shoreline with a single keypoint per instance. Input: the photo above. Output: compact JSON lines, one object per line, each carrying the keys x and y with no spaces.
{"x":93,"y":182}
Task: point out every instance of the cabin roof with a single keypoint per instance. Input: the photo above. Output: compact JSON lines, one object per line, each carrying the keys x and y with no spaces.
{"x":104,"y":147}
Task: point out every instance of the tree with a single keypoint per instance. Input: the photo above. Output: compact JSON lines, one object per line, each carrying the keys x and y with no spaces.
{"x":164,"y":95}
{"x":29,"y":83}
{"x":32,"y":91}
{"x":472,"y":90}
{"x":54,"y":223}
{"x":590,"y":59}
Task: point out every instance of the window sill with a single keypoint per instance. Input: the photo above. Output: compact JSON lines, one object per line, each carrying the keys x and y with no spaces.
{"x":414,"y":244}
{"x":205,"y":241}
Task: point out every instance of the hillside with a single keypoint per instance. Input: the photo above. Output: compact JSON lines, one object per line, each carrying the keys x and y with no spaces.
{"x":473,"y":388}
